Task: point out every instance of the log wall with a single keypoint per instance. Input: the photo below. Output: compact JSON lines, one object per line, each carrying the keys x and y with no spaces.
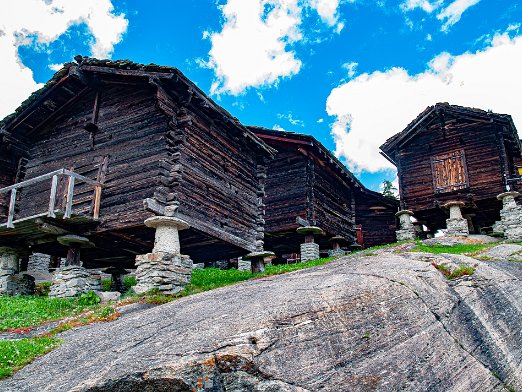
{"x":219,"y":181}
{"x":286,"y":190}
{"x":377,"y":219}
{"x":482,"y":145}
{"x":334,"y":204}
{"x":129,"y":139}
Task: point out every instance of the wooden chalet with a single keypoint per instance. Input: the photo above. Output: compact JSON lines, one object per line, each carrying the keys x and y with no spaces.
{"x":454,"y":153}
{"x":306,"y":183}
{"x":107,"y":144}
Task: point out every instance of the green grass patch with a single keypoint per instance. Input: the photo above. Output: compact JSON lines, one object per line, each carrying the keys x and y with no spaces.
{"x":451,"y":274}
{"x":458,"y":249}
{"x":27,"y":311}
{"x":15,"y":354}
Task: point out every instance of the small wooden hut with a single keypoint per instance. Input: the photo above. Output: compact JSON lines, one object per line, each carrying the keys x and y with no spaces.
{"x":454,"y":153}
{"x":307,"y":185}
{"x":107,"y":144}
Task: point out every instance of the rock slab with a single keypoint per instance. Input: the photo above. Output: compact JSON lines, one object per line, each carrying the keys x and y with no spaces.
{"x":386,"y":322}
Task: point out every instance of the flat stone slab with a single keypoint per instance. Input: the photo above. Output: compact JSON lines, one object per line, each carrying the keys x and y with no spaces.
{"x":502,"y":251}
{"x":386,"y":323}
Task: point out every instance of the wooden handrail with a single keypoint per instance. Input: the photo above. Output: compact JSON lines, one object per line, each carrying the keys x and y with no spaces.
{"x":47,"y":176}
{"x":73,"y":178}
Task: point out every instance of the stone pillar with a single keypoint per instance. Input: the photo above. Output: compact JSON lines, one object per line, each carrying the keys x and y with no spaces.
{"x":257,"y":260}
{"x":165,"y":269}
{"x":244,"y":265}
{"x":309,"y":249}
{"x":11,"y":281}
{"x":336,"y":246}
{"x":73,"y":279}
{"x":510,"y":217}
{"x":456,"y":225}
{"x":39,"y":262}
{"x":406,"y":230}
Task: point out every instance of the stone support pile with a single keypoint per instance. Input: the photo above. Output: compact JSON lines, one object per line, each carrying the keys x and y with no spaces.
{"x":336,"y":246}
{"x":456,"y":225}
{"x":510,"y":217}
{"x":39,"y":262}
{"x":72,"y":281}
{"x":309,"y":249}
{"x":11,"y":281}
{"x":244,"y":265}
{"x":406,"y":230}
{"x":165,"y":269}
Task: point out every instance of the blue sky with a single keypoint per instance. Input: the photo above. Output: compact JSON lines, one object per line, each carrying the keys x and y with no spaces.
{"x":351,"y":73}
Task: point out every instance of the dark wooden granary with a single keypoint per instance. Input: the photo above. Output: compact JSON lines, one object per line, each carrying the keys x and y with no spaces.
{"x":454,"y":153}
{"x":107,"y":144}
{"x":306,"y":182}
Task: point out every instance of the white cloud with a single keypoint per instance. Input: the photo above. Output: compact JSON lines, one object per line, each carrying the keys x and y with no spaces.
{"x":452,"y":13}
{"x":425,"y":5}
{"x":40,"y":23}
{"x":372,"y":107}
{"x":328,"y":11}
{"x":277,"y":127}
{"x":254,"y":47}
{"x":321,"y":120}
{"x":55,"y":67}
{"x":351,"y":68}
{"x":289,"y":117}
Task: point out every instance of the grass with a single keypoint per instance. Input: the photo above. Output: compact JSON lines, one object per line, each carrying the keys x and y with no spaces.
{"x":15,"y":354}
{"x":26,"y":311}
{"x":459,"y":249}
{"x":452,"y":274}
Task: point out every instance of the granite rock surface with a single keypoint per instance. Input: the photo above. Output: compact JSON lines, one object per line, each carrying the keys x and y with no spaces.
{"x":386,"y":322}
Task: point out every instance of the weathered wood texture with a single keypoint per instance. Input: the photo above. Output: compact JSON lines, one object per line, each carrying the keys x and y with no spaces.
{"x":376,"y":215}
{"x":304,"y":182}
{"x":490,"y":145}
{"x":145,"y":132}
{"x":130,"y":135}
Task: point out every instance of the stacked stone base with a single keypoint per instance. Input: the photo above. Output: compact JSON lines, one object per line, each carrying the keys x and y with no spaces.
{"x":406,"y":234}
{"x":244,"y":265}
{"x":38,"y":262}
{"x":457,"y":227}
{"x":510,"y":223}
{"x":309,"y":251}
{"x":18,"y":284}
{"x":166,"y":272}
{"x":72,"y":281}
{"x":336,"y":252}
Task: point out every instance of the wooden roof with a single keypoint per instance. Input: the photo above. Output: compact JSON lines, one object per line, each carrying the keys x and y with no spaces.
{"x":75,"y":79}
{"x":439,"y":112}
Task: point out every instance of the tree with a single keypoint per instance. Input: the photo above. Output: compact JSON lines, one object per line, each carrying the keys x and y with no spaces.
{"x":388,"y":189}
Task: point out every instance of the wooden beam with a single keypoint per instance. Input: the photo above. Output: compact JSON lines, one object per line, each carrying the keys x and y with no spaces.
{"x":12,"y":204}
{"x":52,"y":197}
{"x":70,"y":195}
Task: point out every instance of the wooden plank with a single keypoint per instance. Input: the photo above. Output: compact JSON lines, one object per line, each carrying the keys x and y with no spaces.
{"x":12,"y":205}
{"x":69,"y":198}
{"x":52,"y":197}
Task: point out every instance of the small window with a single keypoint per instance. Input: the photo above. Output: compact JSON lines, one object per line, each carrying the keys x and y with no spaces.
{"x":449,"y":172}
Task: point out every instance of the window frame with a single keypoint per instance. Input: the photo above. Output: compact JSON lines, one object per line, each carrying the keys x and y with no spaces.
{"x":458,"y":154}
